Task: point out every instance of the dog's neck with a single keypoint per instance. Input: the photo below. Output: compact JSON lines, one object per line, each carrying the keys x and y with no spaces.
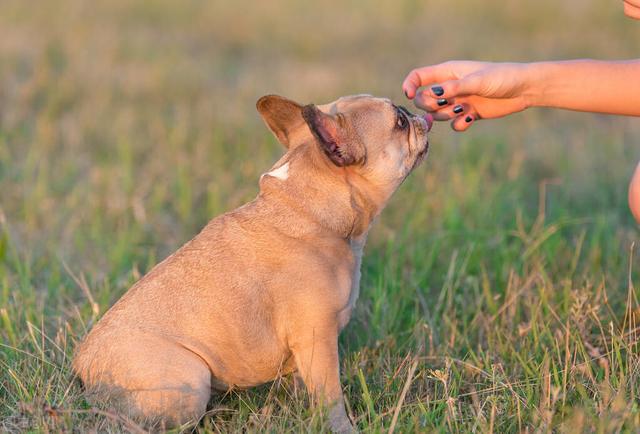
{"x":336,"y":199}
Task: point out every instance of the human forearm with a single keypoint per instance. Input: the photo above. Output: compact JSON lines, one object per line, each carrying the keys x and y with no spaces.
{"x":463,"y":91}
{"x":585,"y":85}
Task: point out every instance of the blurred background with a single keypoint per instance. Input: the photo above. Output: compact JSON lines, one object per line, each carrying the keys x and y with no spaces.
{"x":137,"y":119}
{"x":125,"y":126}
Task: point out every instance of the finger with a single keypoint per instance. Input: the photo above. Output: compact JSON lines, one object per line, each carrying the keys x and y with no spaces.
{"x":411,"y":83}
{"x":463,"y":122}
{"x":424,"y":76}
{"x":444,"y":115}
{"x":631,"y":11}
{"x":425,"y":101}
{"x":470,"y":85}
{"x":451,"y":112}
{"x":634,"y":194}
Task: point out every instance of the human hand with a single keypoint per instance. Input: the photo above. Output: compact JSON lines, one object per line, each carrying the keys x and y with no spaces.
{"x":463,"y":91}
{"x":632,"y":8}
{"x":634,"y":194}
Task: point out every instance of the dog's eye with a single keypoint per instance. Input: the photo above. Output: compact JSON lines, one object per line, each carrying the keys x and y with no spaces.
{"x":401,"y":121}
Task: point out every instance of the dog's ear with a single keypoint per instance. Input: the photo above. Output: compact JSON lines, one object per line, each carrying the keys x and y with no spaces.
{"x":282,"y":116}
{"x":332,"y":137}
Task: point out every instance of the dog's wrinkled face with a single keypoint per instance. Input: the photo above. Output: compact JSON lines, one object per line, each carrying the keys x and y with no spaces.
{"x":383,"y":141}
{"x":380,"y":141}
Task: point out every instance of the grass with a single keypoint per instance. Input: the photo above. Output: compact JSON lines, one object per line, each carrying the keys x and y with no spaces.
{"x":498,"y":290}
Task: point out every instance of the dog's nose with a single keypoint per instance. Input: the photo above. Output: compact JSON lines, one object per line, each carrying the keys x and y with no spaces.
{"x":429,"y":118}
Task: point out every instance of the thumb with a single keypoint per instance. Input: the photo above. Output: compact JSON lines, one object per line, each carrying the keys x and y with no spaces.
{"x":469,"y":85}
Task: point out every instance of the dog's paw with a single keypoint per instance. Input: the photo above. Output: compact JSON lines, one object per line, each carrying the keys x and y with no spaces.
{"x":339,"y":421}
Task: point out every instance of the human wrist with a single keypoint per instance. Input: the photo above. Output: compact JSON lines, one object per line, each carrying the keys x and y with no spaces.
{"x":536,"y":76}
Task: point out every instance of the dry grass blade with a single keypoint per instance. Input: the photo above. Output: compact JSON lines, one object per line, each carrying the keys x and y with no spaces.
{"x":403,"y":395}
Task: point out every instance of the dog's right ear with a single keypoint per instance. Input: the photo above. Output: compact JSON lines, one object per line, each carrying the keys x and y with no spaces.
{"x":282,"y":116}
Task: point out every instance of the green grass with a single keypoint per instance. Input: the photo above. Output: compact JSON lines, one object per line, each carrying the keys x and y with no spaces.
{"x":498,"y":286}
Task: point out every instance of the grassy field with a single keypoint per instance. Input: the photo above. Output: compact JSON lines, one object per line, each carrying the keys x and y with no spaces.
{"x":498,"y":285}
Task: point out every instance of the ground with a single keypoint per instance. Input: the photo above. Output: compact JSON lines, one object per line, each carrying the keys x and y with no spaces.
{"x":498,"y":285}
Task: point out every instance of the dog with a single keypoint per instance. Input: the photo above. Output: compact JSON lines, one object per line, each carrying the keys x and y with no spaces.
{"x":263,"y":290}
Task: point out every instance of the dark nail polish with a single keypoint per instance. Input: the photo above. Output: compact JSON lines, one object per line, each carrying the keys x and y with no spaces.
{"x":468,"y":119}
{"x":438,"y":90}
{"x":442,"y":101}
{"x":406,"y":94}
{"x":457,"y":109}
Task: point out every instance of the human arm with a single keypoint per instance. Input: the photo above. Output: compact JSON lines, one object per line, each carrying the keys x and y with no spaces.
{"x":464,"y":91}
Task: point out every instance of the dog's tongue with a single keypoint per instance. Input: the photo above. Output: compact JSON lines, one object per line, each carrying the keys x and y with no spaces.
{"x":429,"y":118}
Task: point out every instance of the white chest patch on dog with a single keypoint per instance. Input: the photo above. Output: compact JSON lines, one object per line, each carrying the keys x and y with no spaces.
{"x":281,"y":172}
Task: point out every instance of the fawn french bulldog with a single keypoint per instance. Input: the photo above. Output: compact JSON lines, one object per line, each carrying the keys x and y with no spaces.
{"x":265,"y":289}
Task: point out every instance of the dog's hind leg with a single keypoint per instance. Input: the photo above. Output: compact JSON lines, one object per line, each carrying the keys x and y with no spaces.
{"x":176,"y":395}
{"x":154,"y":381}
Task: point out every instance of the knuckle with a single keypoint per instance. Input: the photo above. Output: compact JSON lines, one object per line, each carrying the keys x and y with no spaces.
{"x":452,"y":66}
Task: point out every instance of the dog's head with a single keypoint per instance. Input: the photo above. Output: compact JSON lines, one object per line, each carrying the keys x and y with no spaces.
{"x":345,"y":159}
{"x":370,"y":136}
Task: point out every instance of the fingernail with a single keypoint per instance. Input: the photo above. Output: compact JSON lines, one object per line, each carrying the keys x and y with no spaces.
{"x":457,"y":109}
{"x":468,"y":119}
{"x":437,"y":90}
{"x":442,"y":101}
{"x":406,"y":94}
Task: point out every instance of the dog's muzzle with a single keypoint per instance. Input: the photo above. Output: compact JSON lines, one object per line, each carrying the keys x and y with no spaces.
{"x":429,"y":118}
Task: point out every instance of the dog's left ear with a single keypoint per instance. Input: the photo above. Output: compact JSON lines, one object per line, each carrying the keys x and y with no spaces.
{"x":282,"y":116}
{"x":332,"y":137}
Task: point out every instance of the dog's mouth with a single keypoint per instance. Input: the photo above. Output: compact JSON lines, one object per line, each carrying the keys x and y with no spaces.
{"x":422,"y":124}
{"x":422,"y":153}
{"x":428,"y":117}
{"x":426,"y":123}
